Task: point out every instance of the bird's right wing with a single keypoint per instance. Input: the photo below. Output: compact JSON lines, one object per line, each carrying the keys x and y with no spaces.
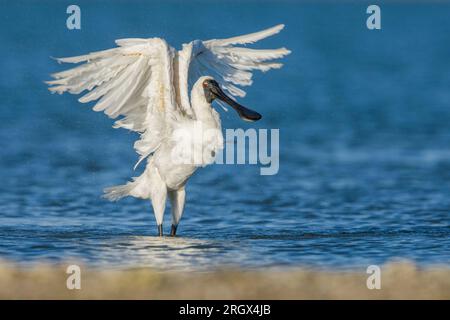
{"x":132,"y":81}
{"x":227,"y":60}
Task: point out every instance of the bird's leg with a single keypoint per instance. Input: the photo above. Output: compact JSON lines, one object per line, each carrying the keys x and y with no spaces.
{"x":173,"y":230}
{"x":159,"y":197}
{"x":177,"y":198}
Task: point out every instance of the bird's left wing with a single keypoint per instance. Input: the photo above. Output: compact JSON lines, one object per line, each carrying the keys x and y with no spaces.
{"x":132,"y":81}
{"x":224,"y":59}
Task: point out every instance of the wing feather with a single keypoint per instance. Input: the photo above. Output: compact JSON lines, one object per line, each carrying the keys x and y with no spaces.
{"x":132,"y":82}
{"x":248,"y":38}
{"x":229,"y":64}
{"x":135,"y":82}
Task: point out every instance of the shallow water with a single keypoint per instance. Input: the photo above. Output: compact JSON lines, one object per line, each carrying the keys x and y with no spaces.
{"x":364,"y":143}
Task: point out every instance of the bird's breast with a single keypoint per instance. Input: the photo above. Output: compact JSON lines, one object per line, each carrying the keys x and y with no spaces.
{"x":192,"y":145}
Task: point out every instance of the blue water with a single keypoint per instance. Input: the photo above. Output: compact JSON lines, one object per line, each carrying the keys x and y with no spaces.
{"x":364,"y":142}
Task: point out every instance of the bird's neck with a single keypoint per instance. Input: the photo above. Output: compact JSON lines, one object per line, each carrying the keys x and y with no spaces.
{"x":202,"y":108}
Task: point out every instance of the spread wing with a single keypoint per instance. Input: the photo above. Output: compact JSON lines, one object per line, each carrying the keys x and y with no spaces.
{"x":224,"y":59}
{"x":132,"y":83}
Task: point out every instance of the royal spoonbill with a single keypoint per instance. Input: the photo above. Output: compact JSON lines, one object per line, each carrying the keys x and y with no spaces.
{"x":165,"y":96}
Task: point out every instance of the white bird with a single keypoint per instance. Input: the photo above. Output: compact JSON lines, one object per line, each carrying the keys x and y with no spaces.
{"x":146,"y":83}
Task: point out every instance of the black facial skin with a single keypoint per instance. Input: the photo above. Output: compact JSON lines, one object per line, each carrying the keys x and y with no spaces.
{"x":213,"y":91}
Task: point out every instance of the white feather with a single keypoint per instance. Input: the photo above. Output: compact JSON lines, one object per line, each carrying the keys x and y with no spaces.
{"x":133,"y":81}
{"x":146,"y":86}
{"x":230,"y":65}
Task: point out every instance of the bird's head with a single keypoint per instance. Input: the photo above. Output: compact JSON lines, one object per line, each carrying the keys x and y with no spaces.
{"x":213,"y":91}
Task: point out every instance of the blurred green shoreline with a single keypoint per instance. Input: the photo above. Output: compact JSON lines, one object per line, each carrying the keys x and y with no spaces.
{"x":401,"y":280}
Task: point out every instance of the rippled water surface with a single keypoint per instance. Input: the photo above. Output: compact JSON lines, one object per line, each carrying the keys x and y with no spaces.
{"x":364,"y":142}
